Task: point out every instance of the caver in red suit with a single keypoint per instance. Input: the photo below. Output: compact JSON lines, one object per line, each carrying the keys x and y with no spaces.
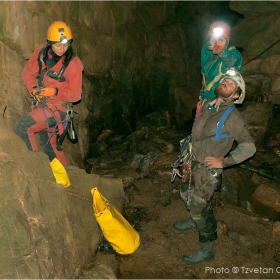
{"x":53,"y":77}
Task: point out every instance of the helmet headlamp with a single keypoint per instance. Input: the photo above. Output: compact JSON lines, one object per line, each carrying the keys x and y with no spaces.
{"x":231,"y":72}
{"x":218,"y":31}
{"x":63,"y":39}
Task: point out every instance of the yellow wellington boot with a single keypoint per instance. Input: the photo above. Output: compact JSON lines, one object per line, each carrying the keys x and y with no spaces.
{"x":60,"y":173}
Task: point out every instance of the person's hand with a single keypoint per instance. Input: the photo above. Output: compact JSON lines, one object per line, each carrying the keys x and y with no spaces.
{"x":42,"y":93}
{"x":214,"y":162}
{"x":45,"y":92}
{"x":217,"y":48}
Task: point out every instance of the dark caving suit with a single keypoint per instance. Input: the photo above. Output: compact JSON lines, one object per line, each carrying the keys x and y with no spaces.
{"x":69,"y":89}
{"x":203,"y":183}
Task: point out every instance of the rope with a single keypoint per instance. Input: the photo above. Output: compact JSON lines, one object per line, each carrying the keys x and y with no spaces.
{"x":262,"y":52}
{"x":55,"y":129}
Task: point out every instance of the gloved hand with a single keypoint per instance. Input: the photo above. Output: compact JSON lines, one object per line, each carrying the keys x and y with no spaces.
{"x":216,"y":48}
{"x":45,"y":92}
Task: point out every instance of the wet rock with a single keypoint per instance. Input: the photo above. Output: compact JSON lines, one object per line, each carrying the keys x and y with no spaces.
{"x":258,"y":117}
{"x":125,"y":173}
{"x":269,"y":196}
{"x":276,"y":229}
{"x":44,"y":227}
{"x":163,"y":160}
{"x":169,"y":148}
{"x":104,"y":266}
{"x":269,"y":252}
{"x":245,"y":240}
{"x":222,"y":228}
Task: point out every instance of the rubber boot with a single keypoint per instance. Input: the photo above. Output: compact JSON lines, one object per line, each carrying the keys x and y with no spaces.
{"x":205,"y":253}
{"x":60,"y":173}
{"x":184,"y":224}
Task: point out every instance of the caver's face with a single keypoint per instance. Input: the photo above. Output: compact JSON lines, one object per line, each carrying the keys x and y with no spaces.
{"x":59,"y":48}
{"x":226,"y":88}
{"x":222,"y":41}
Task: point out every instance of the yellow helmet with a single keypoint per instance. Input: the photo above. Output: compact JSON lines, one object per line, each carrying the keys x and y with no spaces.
{"x":59,"y":31}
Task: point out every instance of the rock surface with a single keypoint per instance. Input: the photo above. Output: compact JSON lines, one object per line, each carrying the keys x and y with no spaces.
{"x":46,"y":231}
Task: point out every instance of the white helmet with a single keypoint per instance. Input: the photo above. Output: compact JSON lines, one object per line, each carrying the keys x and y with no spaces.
{"x":234,"y":75}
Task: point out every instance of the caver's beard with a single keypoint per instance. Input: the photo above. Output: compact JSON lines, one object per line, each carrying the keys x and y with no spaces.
{"x":220,"y":91}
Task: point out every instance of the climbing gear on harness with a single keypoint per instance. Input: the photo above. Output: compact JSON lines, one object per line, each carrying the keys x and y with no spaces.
{"x":62,"y":127}
{"x":186,"y":156}
{"x":184,"y":143}
{"x":59,"y":31}
{"x":68,"y":129}
{"x":60,"y":173}
{"x":184,"y":159}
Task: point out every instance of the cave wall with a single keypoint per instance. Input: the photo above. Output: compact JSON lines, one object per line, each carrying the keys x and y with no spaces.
{"x":258,"y":34}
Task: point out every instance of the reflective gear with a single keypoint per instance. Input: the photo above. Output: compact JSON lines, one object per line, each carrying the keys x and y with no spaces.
{"x":205,"y":253}
{"x":59,"y":31}
{"x":214,"y":67}
{"x":60,"y":173}
{"x":234,"y":75}
{"x":184,"y":224}
{"x":218,"y":29}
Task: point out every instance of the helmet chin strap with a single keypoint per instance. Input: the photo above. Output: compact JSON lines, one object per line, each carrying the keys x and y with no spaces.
{"x":217,"y":101}
{"x":228,"y":98}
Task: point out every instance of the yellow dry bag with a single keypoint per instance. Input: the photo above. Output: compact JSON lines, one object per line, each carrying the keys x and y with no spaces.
{"x":116,"y":229}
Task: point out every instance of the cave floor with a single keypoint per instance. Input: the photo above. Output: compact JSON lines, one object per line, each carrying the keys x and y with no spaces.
{"x":245,"y":248}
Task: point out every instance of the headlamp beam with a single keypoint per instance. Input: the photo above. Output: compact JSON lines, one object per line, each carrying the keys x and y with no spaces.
{"x":218,"y":31}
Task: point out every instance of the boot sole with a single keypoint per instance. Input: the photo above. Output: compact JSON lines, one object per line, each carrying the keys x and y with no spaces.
{"x":174,"y":226}
{"x":190,"y":262}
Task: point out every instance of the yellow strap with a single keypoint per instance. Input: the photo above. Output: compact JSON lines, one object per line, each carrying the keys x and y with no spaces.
{"x":209,"y":86}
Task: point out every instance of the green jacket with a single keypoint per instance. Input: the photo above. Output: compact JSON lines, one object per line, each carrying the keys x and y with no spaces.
{"x":213,"y":68}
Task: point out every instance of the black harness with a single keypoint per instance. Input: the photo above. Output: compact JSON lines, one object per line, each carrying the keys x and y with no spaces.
{"x":42,"y":57}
